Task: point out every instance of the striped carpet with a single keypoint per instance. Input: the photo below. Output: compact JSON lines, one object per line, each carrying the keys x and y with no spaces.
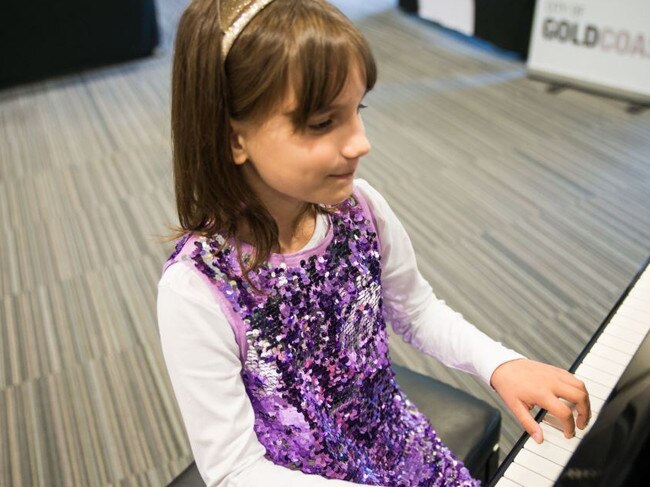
{"x":529,"y":213}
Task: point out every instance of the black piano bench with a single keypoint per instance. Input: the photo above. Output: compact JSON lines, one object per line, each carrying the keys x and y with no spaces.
{"x":469,"y":426}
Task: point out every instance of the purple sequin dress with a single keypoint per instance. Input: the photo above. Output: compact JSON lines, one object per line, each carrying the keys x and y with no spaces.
{"x":315,"y":359}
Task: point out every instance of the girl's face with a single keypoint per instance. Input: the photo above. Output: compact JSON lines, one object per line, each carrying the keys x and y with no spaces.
{"x":285,"y":166}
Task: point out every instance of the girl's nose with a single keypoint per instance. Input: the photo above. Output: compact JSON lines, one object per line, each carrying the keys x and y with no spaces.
{"x":357,"y":144}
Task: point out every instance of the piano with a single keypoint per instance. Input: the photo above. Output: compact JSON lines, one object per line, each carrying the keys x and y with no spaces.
{"x":614,"y":449}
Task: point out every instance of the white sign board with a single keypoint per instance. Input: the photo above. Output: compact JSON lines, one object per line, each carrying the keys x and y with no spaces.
{"x":599,"y":43}
{"x":453,"y":14}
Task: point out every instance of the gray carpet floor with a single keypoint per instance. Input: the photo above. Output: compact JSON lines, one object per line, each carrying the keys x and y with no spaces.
{"x":529,"y":213}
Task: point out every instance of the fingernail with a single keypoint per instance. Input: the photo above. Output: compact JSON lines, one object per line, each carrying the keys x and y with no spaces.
{"x":537,"y":436}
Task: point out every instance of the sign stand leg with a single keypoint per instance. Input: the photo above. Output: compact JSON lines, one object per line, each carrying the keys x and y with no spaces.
{"x":555,"y":88}
{"x":637,"y":108}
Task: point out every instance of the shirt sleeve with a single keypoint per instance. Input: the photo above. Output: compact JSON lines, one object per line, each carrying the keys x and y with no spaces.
{"x":203,"y":363}
{"x":414,"y":312}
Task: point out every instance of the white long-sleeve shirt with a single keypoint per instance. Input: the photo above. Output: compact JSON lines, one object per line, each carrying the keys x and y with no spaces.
{"x":204,"y":364}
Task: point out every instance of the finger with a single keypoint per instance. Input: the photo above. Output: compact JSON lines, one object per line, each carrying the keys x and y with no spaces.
{"x":580,"y":400}
{"x":521,"y":412}
{"x":563,"y":413}
{"x":572,"y":380}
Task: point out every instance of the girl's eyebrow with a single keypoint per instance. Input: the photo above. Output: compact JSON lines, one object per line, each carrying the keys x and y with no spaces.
{"x":338,"y":106}
{"x":327,"y":109}
{"x":332,"y":107}
{"x":341,"y":105}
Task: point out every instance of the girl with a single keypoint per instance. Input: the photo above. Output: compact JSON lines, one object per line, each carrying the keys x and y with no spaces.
{"x":273,"y":307}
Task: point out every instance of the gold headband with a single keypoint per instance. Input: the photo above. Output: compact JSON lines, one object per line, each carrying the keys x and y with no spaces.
{"x":235,"y":15}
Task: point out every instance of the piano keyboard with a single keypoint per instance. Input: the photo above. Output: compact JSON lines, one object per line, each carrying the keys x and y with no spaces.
{"x":612,"y":348}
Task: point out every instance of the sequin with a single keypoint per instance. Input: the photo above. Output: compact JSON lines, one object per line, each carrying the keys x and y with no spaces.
{"x":316,"y":363}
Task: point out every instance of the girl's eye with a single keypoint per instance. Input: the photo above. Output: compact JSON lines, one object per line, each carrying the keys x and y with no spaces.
{"x":322,"y":126}
{"x":325,"y":125}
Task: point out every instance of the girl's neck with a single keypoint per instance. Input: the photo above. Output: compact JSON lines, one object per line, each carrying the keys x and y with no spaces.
{"x":295,"y":228}
{"x":294,"y":235}
{"x":296,"y":220}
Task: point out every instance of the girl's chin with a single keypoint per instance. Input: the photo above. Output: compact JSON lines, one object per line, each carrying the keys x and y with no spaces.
{"x":336,"y":198}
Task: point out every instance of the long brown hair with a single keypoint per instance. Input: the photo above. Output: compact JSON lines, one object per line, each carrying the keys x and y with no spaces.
{"x":306,"y":46}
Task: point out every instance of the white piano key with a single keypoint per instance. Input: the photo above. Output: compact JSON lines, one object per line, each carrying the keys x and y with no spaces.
{"x":619,"y":319}
{"x":580,"y":434}
{"x":597,"y":375}
{"x":632,"y":312}
{"x":542,"y":466}
{"x":604,"y":364}
{"x":632,"y":323}
{"x":596,"y":403}
{"x":594,"y":388}
{"x":643,"y":283}
{"x":633,"y":316}
{"x":617,"y":343}
{"x":557,"y":438}
{"x":640,"y":292}
{"x":552,"y":420}
{"x":619,"y":331}
{"x":634,"y":327}
{"x":548,"y":450}
{"x":506,"y":482}
{"x":636,"y":301}
{"x":638,"y":298}
{"x":604,"y":351}
{"x":641,"y":306}
{"x":524,"y":476}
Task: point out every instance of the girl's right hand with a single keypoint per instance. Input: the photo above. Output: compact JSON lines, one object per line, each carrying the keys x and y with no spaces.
{"x":524,"y":384}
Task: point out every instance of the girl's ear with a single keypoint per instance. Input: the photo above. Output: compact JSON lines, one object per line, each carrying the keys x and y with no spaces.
{"x":237,"y":144}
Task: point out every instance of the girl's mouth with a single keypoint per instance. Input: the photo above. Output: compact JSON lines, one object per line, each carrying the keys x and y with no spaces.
{"x":348,"y":175}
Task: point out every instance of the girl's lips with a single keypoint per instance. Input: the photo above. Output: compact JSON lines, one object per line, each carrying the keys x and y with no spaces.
{"x":343,"y":176}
